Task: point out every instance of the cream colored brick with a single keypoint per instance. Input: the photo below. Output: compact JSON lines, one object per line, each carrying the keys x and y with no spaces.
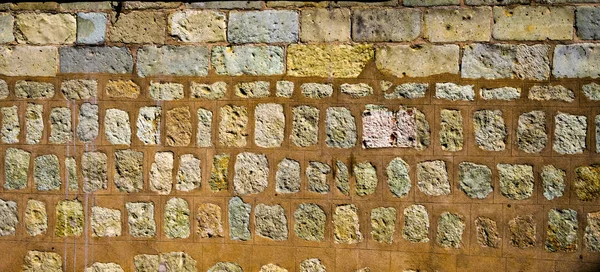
{"x":458,"y":24}
{"x":323,"y":60}
{"x":533,"y":23}
{"x":418,"y":61}
{"x":325,"y":25}
{"x":43,"y":28}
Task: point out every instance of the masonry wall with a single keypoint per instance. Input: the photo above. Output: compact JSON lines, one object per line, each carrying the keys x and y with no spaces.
{"x":432,"y":135}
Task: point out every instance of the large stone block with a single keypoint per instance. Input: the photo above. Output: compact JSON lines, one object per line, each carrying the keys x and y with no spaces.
{"x":28,"y":60}
{"x":386,"y":25}
{"x":576,"y":60}
{"x":45,"y":28}
{"x":91,"y":27}
{"x":527,"y":23}
{"x":198,"y":25}
{"x":248,"y":60}
{"x":138,"y":27}
{"x":587,"y":23}
{"x":267,"y":26}
{"x":400,"y":60}
{"x":319,"y":60}
{"x":112,"y":60}
{"x":172,"y":60}
{"x":496,"y":61}
{"x":456,"y":25}
{"x":325,"y":25}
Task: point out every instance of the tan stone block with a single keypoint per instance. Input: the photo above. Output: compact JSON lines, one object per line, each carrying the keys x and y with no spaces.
{"x":341,"y":61}
{"x":418,"y":61}
{"x":28,"y":60}
{"x":138,"y":27}
{"x":533,"y":23}
{"x":463,"y":24}
{"x":325,"y":25}
{"x":43,"y":28}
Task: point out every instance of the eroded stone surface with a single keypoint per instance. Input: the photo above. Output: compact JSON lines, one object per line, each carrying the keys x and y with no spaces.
{"x":316,"y":90}
{"x":407,"y":91}
{"x":316,"y":174}
{"x":592,"y":232}
{"x":310,"y":222}
{"x":219,"y":172}
{"x":214,"y":91}
{"x":398,"y":60}
{"x":340,"y":128}
{"x":254,"y":89}
{"x":587,"y":182}
{"x":87,"y":127}
{"x":42,"y":261}
{"x":46,"y":173}
{"x":95,"y":59}
{"x":34,"y":89}
{"x":384,"y":128}
{"x":416,"y":224}
{"x":28,"y":60}
{"x":141,"y":219}
{"x":36,"y":218}
{"x":287,"y":177}
{"x":16,"y":168}
{"x":553,"y":181}
{"x":432,"y":178}
{"x":148,"y":125}
{"x":204,"y":131}
{"x":272,"y":268}
{"x":267,"y":26}
{"x":305,"y":126}
{"x":561,"y":234}
{"x":531,"y":131}
{"x":346,"y":226}
{"x":454,"y":92}
{"x":166,"y":91}
{"x":455,"y":25}
{"x":451,"y":130}
{"x":248,"y":60}
{"x":496,"y":61}
{"x":104,"y":267}
{"x":9,"y":218}
{"x":450,"y":230}
{"x":501,"y":93}
{"x":423,"y":131}
{"x":34,"y":123}
{"x":570,"y":132}
{"x":591,"y":91}
{"x":198,"y":25}
{"x":475,"y":180}
{"x":225,"y":267}
{"x":122,"y":89}
{"x":533,"y":23}
{"x":209,"y":220}
{"x":271,"y":222}
{"x":383,"y":223}
{"x":356,"y":90}
{"x":342,"y":177}
{"x":490,"y":130}
{"x":94,"y":171}
{"x":516,"y":180}
{"x":312,"y":265}
{"x":177,"y":218}
{"x":176,"y":261}
{"x":251,"y":173}
{"x":323,"y":60}
{"x":284,"y":89}
{"x":325,"y":25}
{"x":105,"y":222}
{"x":366,"y":178}
{"x":269,"y":125}
{"x":398,"y":177}
{"x":138,"y":27}
{"x":60,"y":125}
{"x":45,"y":28}
{"x":179,"y":126}
{"x":75,"y":89}
{"x":239,"y":219}
{"x":117,"y":127}
{"x":189,"y":174}
{"x":171,"y":60}
{"x":161,"y":173}
{"x":69,"y":218}
{"x":129,"y":170}
{"x":522,"y":231}
{"x":233,"y":126}
{"x":551,"y":93}
{"x":487,"y":232}
{"x":146,"y":262}
{"x":91,"y":26}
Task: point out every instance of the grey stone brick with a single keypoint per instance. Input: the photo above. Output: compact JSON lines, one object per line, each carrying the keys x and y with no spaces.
{"x":267,"y":26}
{"x":91,"y":27}
{"x":172,"y":60}
{"x":248,"y":60}
{"x":495,"y":61}
{"x":386,"y":25}
{"x":576,"y":60}
{"x":110,"y":59}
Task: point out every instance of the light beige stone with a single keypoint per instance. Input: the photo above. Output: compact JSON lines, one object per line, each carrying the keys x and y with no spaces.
{"x":533,"y":23}
{"x":418,"y":60}
{"x":325,"y":25}
{"x":324,"y":60}
{"x":198,"y":25}
{"x":45,"y":28}
{"x":28,"y":60}
{"x":457,"y":25}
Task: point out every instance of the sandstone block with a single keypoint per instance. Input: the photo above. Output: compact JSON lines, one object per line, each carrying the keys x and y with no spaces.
{"x":587,"y":182}
{"x":248,"y":60}
{"x":189,"y":174}
{"x":60,"y":125}
{"x":310,"y":222}
{"x":6,"y":28}
{"x":287,"y":177}
{"x":209,"y":219}
{"x":561,"y":234}
{"x":551,"y":93}
{"x":69,"y":218}
{"x":75,"y":89}
{"x":148,"y":125}
{"x":272,"y":268}
{"x":226,"y":267}
{"x":516,"y":180}
{"x":366,"y":178}
{"x":87,"y":126}
{"x":475,"y":180}
{"x":34,"y":123}
{"x":407,"y":91}
{"x":576,"y":61}
{"x":267,"y":26}
{"x":204,"y":131}
{"x":316,"y":90}
{"x":356,"y":90}
{"x":198,"y":25}
{"x":496,"y":61}
{"x":46,"y":173}
{"x":269,"y":125}
{"x":586,"y":22}
{"x":341,"y":178}
{"x":36,"y":217}
{"x":340,"y":128}
{"x":91,"y":27}
{"x":219,"y":173}
{"x":386,"y":25}
{"x":161,"y":173}
{"x":454,"y":92}
{"x":305,"y":126}
{"x":10,"y":125}
{"x":592,"y":232}
{"x":122,"y":89}
{"x":398,"y":178}
{"x":255,"y":89}
{"x":177,"y":218}
{"x":346,"y":226}
{"x":172,"y":60}
{"x":432,"y":178}
{"x":239,"y":219}
{"x":533,"y":23}
{"x":451,"y":130}
{"x":94,"y":171}
{"x":105,"y":222}
{"x":141,"y":219}
{"x":490,"y":130}
{"x":487,"y":232}
{"x":72,"y":177}
{"x":502,"y":93}
{"x":570,"y":132}
{"x":45,"y":28}
{"x":16,"y":168}
{"x":129,"y":168}
{"x":103,"y":59}
{"x":4,"y":92}
{"x":317,"y":174}
{"x":325,"y":25}
{"x":138,"y":27}
{"x":179,"y":126}
{"x":271,"y":222}
{"x":284,"y":89}
{"x":44,"y":261}
{"x":384,"y":128}
{"x":117,"y":127}
{"x":457,"y":25}
{"x":451,"y":227}
{"x":531,"y":131}
{"x":398,"y":60}
{"x":383,"y":221}
{"x":34,"y":89}
{"x":233,"y":126}
{"x":251,"y":173}
{"x":97,"y":267}
{"x":212,"y":91}
{"x":591,"y":91}
{"x":319,"y":60}
{"x":553,"y":181}
{"x":312,"y":265}
{"x":9,"y":216}
{"x":166,"y":91}
{"x":28,"y":60}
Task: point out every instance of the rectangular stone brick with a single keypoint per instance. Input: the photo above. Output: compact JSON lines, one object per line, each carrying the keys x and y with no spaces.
{"x":268,"y":26}
{"x":28,"y":60}
{"x":577,"y":60}
{"x":588,"y":27}
{"x":112,"y":60}
{"x":86,"y":6}
{"x":247,"y":60}
{"x":172,"y":60}
{"x":383,"y":25}
{"x":227,"y":5}
{"x":455,"y":25}
{"x":533,"y":23}
{"x":495,"y":2}
{"x":198,"y":25}
{"x":428,"y":3}
{"x":138,"y":27}
{"x":495,"y":61}
{"x":325,"y":25}
{"x":320,"y":60}
{"x":6,"y":28}
{"x":401,"y":60}
{"x":43,"y":28}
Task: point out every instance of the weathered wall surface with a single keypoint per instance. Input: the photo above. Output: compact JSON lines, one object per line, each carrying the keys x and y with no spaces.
{"x":414,"y":135}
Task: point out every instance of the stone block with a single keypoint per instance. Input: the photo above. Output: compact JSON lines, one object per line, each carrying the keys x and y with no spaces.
{"x":6,"y":28}
{"x":69,"y":218}
{"x":45,"y":28}
{"x":496,"y":61}
{"x":91,"y":27}
{"x":177,"y":218}
{"x":576,"y":60}
{"x":109,"y":59}
{"x":325,"y":25}
{"x":587,"y":22}
{"x":87,"y":125}
{"x":179,"y":126}
{"x":233,"y":126}
{"x":320,"y":60}
{"x":248,"y":60}
{"x":269,"y":125}
{"x":28,"y":60}
{"x":266,"y":26}
{"x":458,"y":25}
{"x":198,"y":25}
{"x":161,"y":173}
{"x":172,"y":60}
{"x":141,"y":219}
{"x":386,"y":25}
{"x":117,"y":127}
{"x":251,"y":173}
{"x":148,"y":125}
{"x":138,"y":27}
{"x":570,"y":133}
{"x":10,"y":125}
{"x":398,"y":60}
{"x":533,"y":23}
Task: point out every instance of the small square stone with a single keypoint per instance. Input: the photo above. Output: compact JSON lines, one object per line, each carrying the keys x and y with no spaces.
{"x":91,"y":27}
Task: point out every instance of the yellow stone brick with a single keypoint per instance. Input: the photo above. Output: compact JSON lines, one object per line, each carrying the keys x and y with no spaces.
{"x":340,"y":61}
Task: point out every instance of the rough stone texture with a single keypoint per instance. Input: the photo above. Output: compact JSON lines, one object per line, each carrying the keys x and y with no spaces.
{"x":457,"y":25}
{"x":204,"y":132}
{"x":170,"y":262}
{"x":172,"y":60}
{"x":248,"y":60}
{"x":75,"y":89}
{"x":587,"y":182}
{"x":284,"y":89}
{"x":454,"y":92}
{"x":34,"y":89}
{"x":592,"y":232}
{"x":591,"y":91}
{"x":94,"y":171}
{"x":597,"y":123}
{"x":60,"y":125}
{"x":339,"y":61}
{"x":496,"y":61}
{"x":161,"y":173}
{"x":342,"y":177}
{"x":251,"y":173}
{"x":16,"y":168}
{"x":165,"y":91}
{"x":87,"y":125}
{"x":316,"y":174}
{"x":97,"y":59}
{"x":383,"y":223}
{"x":218,"y":173}
{"x":316,"y":90}
{"x":305,"y":126}
{"x":416,"y":224}
{"x":105,"y":222}
{"x":384,"y":128}
{"x":138,"y":27}
{"x":272,"y":268}
{"x":212,"y":91}
{"x":42,"y":261}
{"x":312,"y":265}
{"x":69,"y":218}
{"x":271,"y":222}
{"x":587,"y":23}
{"x":198,"y":25}
{"x":227,"y":5}
{"x":428,"y":3}
{"x":122,"y":89}
{"x":254,"y":89}
{"x":451,"y":130}
{"x":475,"y":180}
{"x":346,"y":228}
{"x":46,"y":173}
{"x":287,"y":177}
{"x":310,"y":222}
{"x":386,"y":85}
{"x":104,"y":267}
{"x":516,"y":180}
{"x":9,"y":218}
{"x":189,"y":175}
{"x":398,"y":177}
{"x":267,"y":26}
{"x":28,"y":60}
{"x":179,"y":126}
{"x":146,"y":262}
{"x":502,"y":93}
{"x":10,"y":125}
{"x":487,"y":232}
{"x":233,"y":126}
{"x":356,"y":90}
{"x":570,"y":132}
{"x":177,"y":218}
{"x":150,"y":5}
{"x":423,"y":137}
{"x":366,"y":178}
{"x":91,"y":27}
{"x":490,"y":130}
{"x":340,"y":128}
{"x":450,"y":230}
{"x":386,"y":25}
{"x":561,"y":234}
{"x":432,"y":178}
{"x":141,"y":219}
{"x":533,"y":23}
{"x":45,"y":28}
{"x":495,"y":2}
{"x":269,"y":125}
{"x":407,"y":91}
{"x":129,"y":170}
{"x":225,"y":267}
{"x":117,"y":127}
{"x":551,"y":93}
{"x":239,"y":219}
{"x":398,"y":60}
{"x":148,"y":125}
{"x":209,"y":220}
{"x":36,"y":218}
{"x":6,"y":28}
{"x":531,"y":131}
{"x":4,"y":92}
{"x":325,"y":25}
{"x":576,"y":60}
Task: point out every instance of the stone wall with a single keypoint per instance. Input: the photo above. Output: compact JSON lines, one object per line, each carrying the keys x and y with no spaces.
{"x":412,"y":135}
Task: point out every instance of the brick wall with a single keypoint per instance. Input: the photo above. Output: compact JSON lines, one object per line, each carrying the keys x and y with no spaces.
{"x":412,"y":135}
